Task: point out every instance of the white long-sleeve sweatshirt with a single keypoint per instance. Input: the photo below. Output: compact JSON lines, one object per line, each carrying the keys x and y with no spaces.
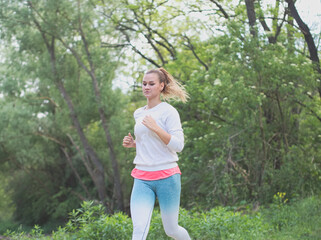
{"x":152,"y":154}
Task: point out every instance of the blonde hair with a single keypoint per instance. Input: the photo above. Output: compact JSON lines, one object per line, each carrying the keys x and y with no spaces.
{"x":172,"y":88}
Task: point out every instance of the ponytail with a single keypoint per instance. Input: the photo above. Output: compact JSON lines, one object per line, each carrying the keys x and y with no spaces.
{"x":172,"y":88}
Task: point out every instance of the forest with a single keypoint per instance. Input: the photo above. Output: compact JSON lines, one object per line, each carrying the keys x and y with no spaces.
{"x":70,"y":80}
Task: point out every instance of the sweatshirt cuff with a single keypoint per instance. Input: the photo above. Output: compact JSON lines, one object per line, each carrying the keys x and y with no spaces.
{"x":175,"y":144}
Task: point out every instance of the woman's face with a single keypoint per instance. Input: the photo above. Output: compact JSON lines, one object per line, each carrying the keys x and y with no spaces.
{"x":151,"y":86}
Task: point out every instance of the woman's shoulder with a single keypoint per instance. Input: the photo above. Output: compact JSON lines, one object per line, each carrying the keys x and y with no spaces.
{"x":168,"y":106}
{"x":169,"y":110}
{"x":139,"y":110}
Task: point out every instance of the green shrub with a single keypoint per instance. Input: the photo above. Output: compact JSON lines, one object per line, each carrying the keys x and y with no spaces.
{"x":300,"y":220}
{"x":7,"y":225}
{"x":91,"y":222}
{"x":220,"y":223}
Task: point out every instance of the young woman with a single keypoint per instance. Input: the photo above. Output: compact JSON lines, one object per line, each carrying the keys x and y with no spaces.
{"x":158,"y":138}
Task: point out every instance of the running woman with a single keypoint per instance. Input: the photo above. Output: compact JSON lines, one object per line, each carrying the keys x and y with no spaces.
{"x":158,"y":138}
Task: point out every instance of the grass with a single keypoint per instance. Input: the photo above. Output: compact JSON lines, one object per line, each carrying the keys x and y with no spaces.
{"x":280,"y":220}
{"x":301,"y":220}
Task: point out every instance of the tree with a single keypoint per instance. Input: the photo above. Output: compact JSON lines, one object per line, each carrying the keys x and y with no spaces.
{"x":88,"y":63}
{"x":45,"y":54}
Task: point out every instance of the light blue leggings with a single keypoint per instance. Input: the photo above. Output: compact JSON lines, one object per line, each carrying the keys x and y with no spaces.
{"x":142,"y":203}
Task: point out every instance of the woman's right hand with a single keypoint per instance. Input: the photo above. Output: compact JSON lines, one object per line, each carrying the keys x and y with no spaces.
{"x":129,"y":142}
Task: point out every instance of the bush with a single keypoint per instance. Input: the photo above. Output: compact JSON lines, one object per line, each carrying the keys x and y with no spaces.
{"x":301,"y":220}
{"x":221,"y":223}
{"x":91,"y":223}
{"x":7,"y":225}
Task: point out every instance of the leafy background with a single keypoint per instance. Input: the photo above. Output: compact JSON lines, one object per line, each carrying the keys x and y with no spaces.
{"x":252,"y":124}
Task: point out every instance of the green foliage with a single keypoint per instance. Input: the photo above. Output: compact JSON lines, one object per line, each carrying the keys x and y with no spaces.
{"x":252,"y":125}
{"x":35,"y":120}
{"x":281,"y":217}
{"x":244,"y":123}
{"x":90,"y":222}
{"x":300,"y":220}
{"x":8,"y":226}
{"x":6,"y":206}
{"x":221,"y":223}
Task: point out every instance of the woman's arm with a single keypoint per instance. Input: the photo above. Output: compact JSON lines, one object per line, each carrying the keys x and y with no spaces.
{"x":149,"y":122}
{"x":174,"y":138}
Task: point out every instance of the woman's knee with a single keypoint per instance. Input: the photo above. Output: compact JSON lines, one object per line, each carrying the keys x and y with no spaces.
{"x":177,"y":232}
{"x":171,"y":231}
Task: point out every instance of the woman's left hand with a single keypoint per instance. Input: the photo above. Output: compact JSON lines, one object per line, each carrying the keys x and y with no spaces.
{"x":149,"y":122}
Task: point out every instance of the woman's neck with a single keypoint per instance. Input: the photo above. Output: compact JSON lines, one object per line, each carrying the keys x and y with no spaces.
{"x":152,"y":103}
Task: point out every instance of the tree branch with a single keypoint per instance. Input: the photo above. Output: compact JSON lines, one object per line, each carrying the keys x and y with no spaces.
{"x":221,"y":9}
{"x":84,"y":40}
{"x":169,"y":47}
{"x":50,"y":138}
{"x":311,"y":110}
{"x":191,"y":47}
{"x":149,"y":39}
{"x":110,"y":45}
{"x":139,"y":52}
{"x":85,"y":162}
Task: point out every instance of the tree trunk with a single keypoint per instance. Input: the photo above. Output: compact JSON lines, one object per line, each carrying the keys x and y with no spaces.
{"x":117,"y":183}
{"x":308,"y":39}
{"x":264,"y":149}
{"x":118,"y":193}
{"x":251,"y":16}
{"x":290,"y":32}
{"x":99,"y":178}
{"x":97,"y":174}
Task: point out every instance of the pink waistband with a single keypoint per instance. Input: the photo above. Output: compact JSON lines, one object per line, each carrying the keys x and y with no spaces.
{"x":154,"y":175}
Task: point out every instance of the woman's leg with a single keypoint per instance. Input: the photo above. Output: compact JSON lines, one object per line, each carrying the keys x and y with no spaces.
{"x":168,"y":192}
{"x":142,"y":203}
